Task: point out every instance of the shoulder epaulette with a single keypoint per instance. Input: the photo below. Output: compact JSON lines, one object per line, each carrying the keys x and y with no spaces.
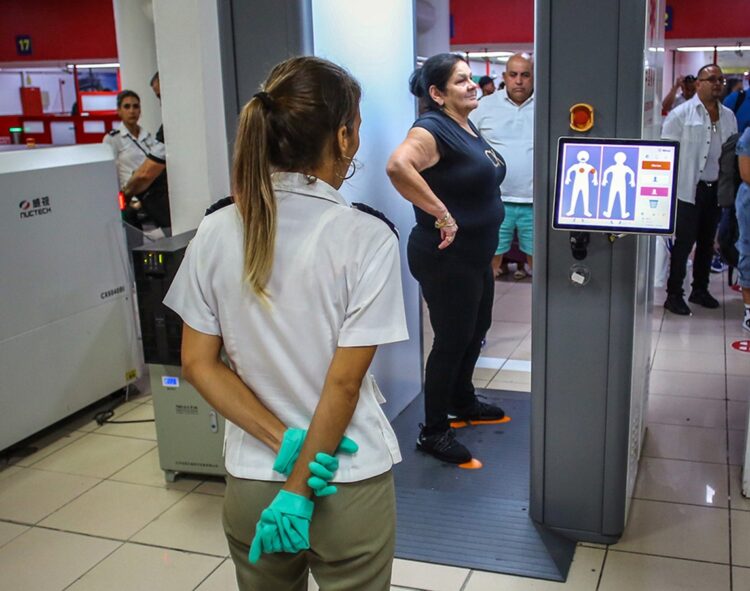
{"x":221,"y":203}
{"x":378,"y":214}
{"x":113,"y":132}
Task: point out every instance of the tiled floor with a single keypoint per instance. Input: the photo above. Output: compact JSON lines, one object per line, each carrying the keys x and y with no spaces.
{"x":90,"y":509}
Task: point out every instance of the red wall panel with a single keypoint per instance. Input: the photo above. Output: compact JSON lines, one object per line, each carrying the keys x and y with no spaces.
{"x":707,"y":19}
{"x":8,"y":121}
{"x":492,"y":21}
{"x":59,"y":31}
{"x":512,"y":21}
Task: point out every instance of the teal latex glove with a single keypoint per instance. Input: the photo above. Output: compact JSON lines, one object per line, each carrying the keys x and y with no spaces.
{"x":323,"y":468}
{"x":291,"y":445}
{"x":284,"y":526}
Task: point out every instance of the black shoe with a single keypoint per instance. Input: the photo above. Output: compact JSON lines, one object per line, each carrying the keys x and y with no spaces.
{"x":676,"y":304}
{"x":478,"y":411}
{"x":703,"y":298}
{"x":443,"y":446}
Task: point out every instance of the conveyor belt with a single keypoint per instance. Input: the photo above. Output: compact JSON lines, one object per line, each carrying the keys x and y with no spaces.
{"x":475,"y":518}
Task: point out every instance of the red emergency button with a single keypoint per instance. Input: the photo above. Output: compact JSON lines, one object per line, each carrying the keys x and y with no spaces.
{"x":581,"y":117}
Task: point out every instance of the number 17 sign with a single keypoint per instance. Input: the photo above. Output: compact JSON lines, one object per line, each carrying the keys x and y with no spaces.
{"x":23,"y":44}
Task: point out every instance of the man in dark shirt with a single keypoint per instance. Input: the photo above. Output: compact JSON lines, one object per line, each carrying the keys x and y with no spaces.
{"x":737,"y":101}
{"x":487,"y":85}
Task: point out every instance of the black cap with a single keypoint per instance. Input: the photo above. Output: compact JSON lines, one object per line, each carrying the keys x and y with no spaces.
{"x":689,"y":78}
{"x":486,"y":80}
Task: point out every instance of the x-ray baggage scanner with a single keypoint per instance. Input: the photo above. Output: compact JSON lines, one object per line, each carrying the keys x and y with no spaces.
{"x":67,"y":328}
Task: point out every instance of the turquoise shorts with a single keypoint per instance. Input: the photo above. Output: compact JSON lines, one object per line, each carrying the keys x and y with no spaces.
{"x":518,"y":216}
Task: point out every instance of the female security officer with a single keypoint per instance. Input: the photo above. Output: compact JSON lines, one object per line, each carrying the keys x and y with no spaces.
{"x":299,"y":288}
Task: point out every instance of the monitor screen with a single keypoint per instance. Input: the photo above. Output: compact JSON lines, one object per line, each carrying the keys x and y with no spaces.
{"x":616,"y":185}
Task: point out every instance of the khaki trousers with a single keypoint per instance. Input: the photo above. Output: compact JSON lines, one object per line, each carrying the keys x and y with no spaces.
{"x":352,"y":537}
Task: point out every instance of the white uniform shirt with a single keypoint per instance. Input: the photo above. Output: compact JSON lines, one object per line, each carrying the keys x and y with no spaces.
{"x":336,"y":282}
{"x":129,"y":151}
{"x":690,"y":124}
{"x":509,"y":129}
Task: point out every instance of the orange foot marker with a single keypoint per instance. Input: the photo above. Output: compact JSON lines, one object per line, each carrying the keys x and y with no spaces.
{"x":505,"y":419}
{"x":462,"y":424}
{"x":472,"y":464}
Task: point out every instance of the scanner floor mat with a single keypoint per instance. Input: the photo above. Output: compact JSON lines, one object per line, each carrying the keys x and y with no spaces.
{"x":475,"y":519}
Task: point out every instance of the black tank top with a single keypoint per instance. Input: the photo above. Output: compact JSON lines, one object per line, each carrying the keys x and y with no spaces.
{"x":467,"y":180}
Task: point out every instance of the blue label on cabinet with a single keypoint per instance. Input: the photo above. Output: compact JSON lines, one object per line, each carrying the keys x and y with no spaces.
{"x":170,"y":381}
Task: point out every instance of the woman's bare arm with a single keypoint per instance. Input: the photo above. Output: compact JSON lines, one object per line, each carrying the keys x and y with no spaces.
{"x":415,"y":154}
{"x":224,"y":390}
{"x":227,"y":393}
{"x":334,"y":411}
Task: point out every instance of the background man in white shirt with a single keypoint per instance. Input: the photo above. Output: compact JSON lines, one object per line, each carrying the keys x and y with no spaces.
{"x":506,"y":120}
{"x":701,"y":125}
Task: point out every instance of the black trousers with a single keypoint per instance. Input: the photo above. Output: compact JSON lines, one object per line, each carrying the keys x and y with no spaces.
{"x":696,"y":225}
{"x":459,"y":292}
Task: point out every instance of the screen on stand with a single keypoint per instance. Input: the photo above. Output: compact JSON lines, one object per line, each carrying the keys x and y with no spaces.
{"x":616,"y":185}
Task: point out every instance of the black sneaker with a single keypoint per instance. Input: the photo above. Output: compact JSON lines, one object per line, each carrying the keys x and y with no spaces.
{"x":717,"y":265}
{"x":443,"y":446}
{"x":478,"y":411}
{"x":676,"y":304}
{"x":703,"y":298}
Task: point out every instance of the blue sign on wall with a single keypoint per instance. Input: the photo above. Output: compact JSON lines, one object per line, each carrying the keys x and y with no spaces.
{"x":668,"y":19}
{"x":23,"y":44}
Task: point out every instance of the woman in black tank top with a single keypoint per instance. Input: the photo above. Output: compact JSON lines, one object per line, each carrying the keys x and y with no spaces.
{"x":452,"y":177}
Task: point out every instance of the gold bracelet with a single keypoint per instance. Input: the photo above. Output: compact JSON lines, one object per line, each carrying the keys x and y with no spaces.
{"x":446,"y":220}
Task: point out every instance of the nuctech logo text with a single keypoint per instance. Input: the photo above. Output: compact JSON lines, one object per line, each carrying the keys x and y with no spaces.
{"x":35,"y":207}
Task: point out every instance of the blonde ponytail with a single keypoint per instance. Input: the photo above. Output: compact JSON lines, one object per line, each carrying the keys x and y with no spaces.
{"x":253,"y":194}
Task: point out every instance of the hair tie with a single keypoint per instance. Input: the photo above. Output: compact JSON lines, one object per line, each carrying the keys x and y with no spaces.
{"x":265,"y":98}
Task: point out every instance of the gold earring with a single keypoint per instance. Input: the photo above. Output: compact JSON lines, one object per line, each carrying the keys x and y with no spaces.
{"x":350,"y":163}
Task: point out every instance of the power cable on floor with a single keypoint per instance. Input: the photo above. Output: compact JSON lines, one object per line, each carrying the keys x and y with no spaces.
{"x":104,"y":416}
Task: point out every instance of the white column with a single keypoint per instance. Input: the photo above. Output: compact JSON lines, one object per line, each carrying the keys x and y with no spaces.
{"x":187,"y":39}
{"x":433,"y":27}
{"x":377,"y":46}
{"x":136,"y":49}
